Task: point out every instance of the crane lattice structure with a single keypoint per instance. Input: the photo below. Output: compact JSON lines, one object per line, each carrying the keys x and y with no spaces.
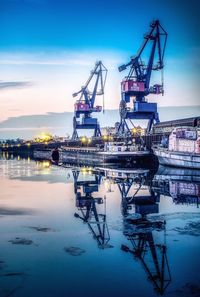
{"x":88,"y":207}
{"x":137,"y":83}
{"x":85,"y":104}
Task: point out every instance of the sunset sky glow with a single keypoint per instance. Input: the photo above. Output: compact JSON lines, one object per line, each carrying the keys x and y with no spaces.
{"x":48,"y":48}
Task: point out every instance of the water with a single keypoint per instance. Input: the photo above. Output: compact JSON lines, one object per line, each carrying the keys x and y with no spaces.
{"x":76,"y":232}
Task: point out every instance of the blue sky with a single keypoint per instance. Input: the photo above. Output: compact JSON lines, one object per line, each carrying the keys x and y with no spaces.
{"x":48,"y":47}
{"x":87,"y":24}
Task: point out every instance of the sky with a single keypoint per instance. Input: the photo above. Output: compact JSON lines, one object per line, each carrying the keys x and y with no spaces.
{"x":48,"y":48}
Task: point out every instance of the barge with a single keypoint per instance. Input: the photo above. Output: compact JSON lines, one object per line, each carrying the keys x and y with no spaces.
{"x":183,"y":149}
{"x":111,"y":153}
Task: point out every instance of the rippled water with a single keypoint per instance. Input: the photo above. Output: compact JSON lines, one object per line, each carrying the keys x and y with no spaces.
{"x":84,"y":232}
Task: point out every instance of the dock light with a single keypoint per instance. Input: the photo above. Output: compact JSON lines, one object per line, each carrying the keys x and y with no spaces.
{"x":110,"y":138}
{"x":18,"y":145}
{"x":89,"y":140}
{"x":90,"y":169}
{"x":28,"y":144}
{"x":46,"y":164}
{"x":83,"y":170}
{"x":83,"y":139}
{"x":134,"y":130}
{"x":43,"y":137}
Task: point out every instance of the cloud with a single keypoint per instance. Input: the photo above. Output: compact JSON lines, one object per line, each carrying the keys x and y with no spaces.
{"x":28,"y":126}
{"x":61,"y":58}
{"x":14,"y":84}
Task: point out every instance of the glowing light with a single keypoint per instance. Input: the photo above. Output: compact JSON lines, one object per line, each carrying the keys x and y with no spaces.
{"x":83,"y":139}
{"x":105,"y":137}
{"x":43,"y":137}
{"x":134,"y":130}
{"x":46,"y":164}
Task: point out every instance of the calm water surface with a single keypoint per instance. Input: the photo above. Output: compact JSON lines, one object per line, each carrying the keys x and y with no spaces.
{"x":79,"y":232}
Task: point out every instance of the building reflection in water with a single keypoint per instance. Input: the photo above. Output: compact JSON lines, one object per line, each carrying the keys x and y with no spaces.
{"x":88,"y":206}
{"x":183,"y":185}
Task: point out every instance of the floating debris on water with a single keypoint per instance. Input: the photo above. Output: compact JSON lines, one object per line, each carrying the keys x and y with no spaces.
{"x":42,"y":229}
{"x":74,"y":251}
{"x":142,"y":225}
{"x":192,"y":228}
{"x":14,"y":274}
{"x":189,"y":289}
{"x":5,"y":211}
{"x":22,"y":241}
{"x":176,"y":215}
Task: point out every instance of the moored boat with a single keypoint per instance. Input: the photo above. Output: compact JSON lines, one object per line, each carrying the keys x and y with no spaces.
{"x":183,"y":149}
{"x":110,"y":153}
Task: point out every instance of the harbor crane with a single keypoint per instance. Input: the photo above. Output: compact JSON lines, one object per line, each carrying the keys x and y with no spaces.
{"x":136,"y":84}
{"x":85,"y":105}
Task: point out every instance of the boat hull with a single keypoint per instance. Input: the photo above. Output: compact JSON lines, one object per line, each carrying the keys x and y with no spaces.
{"x":95,"y":157}
{"x":178,"y":159}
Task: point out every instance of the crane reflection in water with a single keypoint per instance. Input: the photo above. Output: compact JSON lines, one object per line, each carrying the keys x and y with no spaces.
{"x":84,"y":186}
{"x":140,"y":230}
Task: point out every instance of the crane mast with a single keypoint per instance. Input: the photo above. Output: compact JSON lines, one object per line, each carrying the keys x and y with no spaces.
{"x":85,"y":104}
{"x":137,"y":83}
